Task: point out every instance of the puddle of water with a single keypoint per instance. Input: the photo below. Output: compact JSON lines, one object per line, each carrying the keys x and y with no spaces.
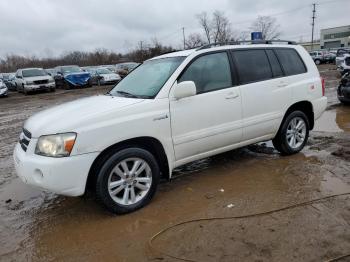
{"x":334,"y":185}
{"x":336,"y":120}
{"x":78,"y":227}
{"x":17,"y":191}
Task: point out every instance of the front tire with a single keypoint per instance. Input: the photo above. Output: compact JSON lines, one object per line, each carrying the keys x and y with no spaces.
{"x":293,"y":134}
{"x":128,"y":180}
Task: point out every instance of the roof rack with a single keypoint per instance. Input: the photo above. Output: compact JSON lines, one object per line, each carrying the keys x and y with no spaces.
{"x":266,"y":42}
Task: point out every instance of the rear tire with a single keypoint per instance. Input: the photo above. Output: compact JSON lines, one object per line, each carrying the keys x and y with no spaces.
{"x":317,"y":62}
{"x":293,"y":134}
{"x":127,"y":180}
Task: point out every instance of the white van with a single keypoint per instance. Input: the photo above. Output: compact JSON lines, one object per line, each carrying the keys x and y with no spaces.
{"x":171,"y":110}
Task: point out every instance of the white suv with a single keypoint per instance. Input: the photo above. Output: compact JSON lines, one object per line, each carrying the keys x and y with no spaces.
{"x":33,"y":79}
{"x":171,"y":110}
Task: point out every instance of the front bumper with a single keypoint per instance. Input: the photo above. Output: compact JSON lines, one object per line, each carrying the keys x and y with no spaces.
{"x":319,"y":106}
{"x":40,"y":86}
{"x":64,"y":176}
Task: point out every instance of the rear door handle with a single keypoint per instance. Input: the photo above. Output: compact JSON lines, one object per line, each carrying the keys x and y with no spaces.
{"x":232,"y":95}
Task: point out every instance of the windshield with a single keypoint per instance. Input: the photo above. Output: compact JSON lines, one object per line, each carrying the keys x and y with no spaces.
{"x":70,"y":69}
{"x":33,"y":72}
{"x":147,"y":79}
{"x":103,"y":71}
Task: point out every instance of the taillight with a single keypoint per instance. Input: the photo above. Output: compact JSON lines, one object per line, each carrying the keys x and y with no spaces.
{"x":323,"y":86}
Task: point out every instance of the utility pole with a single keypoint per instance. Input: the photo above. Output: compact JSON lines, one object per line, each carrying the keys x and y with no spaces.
{"x":313,"y":25}
{"x":183,"y":33}
{"x":141,"y":42}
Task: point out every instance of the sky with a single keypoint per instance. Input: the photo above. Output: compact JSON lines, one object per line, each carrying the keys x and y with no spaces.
{"x":48,"y":28}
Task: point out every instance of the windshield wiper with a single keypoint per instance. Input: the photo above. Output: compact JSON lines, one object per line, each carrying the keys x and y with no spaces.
{"x":127,"y":94}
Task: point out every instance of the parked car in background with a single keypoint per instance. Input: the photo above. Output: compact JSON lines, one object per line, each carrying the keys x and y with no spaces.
{"x":344,"y":66}
{"x":93,"y":77}
{"x":173,"y":109}
{"x":125,"y":68}
{"x":3,"y":88}
{"x":343,"y":91}
{"x":341,"y":55}
{"x":7,"y":77}
{"x":71,"y":76}
{"x":106,"y":77}
{"x":33,"y":79}
{"x":321,"y":57}
{"x":111,"y":68}
{"x":51,"y":71}
{"x":12,"y":82}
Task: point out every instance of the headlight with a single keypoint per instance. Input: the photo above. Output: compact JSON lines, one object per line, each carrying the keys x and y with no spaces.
{"x":59,"y":145}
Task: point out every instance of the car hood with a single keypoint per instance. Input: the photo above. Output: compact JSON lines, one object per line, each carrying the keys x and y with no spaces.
{"x":78,"y":78}
{"x":76,"y":115}
{"x":36,"y":78}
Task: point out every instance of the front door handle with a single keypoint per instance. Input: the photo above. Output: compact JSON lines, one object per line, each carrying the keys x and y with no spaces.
{"x":232,"y":95}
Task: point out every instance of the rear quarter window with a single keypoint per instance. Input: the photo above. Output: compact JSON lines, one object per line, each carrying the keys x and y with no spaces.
{"x":290,"y":61}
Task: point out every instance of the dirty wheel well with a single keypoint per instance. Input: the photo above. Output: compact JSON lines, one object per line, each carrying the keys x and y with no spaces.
{"x":148,"y":143}
{"x":306,"y":108}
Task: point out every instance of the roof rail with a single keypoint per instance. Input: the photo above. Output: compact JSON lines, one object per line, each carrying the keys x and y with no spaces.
{"x":266,"y":42}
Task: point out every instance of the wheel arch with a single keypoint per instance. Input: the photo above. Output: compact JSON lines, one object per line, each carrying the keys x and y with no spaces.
{"x":305,"y":107}
{"x":150,"y":144}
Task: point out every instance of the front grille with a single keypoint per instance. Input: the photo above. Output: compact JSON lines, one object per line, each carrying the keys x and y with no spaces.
{"x":24,"y":139}
{"x":40,"y":82}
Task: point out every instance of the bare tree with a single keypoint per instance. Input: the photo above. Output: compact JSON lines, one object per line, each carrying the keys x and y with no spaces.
{"x":221,"y":28}
{"x":216,"y":29}
{"x":205,"y":23}
{"x":193,"y":40}
{"x":268,"y":26}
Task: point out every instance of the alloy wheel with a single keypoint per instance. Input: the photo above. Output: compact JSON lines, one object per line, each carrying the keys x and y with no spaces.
{"x":296,"y":132}
{"x":129,"y":181}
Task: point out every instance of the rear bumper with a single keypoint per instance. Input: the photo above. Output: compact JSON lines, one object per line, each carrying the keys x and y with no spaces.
{"x":64,"y":176}
{"x":319,"y":106}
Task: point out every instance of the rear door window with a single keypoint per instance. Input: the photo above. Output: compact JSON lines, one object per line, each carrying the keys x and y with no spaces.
{"x":252,"y":65}
{"x":290,"y":61}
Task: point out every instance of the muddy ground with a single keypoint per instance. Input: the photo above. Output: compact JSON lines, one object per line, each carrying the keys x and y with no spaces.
{"x":41,"y":226}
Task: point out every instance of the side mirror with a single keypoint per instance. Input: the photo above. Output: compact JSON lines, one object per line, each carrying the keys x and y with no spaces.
{"x":184,"y":89}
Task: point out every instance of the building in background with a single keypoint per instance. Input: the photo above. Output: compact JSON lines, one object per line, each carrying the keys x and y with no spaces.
{"x":335,"y":37}
{"x":309,"y":47}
